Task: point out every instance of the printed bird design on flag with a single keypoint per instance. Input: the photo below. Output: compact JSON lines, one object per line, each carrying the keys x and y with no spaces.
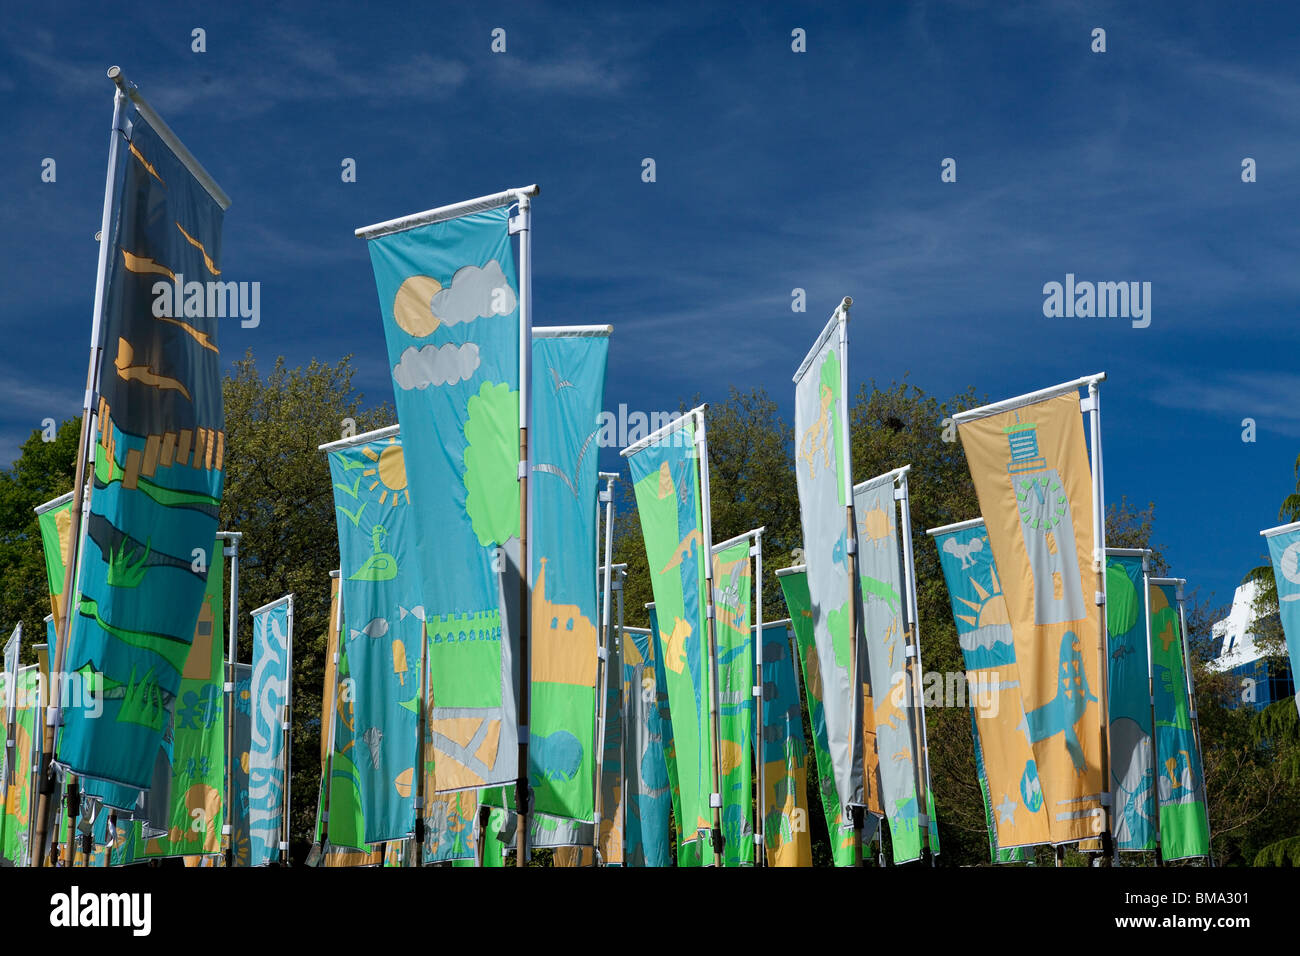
{"x":1060,"y":714}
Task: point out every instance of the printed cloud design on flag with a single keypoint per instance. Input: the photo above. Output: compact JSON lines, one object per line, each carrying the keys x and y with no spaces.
{"x":471,"y":295}
{"x":436,"y":365}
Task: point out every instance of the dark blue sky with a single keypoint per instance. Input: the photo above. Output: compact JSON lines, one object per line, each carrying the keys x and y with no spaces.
{"x":775,"y":170}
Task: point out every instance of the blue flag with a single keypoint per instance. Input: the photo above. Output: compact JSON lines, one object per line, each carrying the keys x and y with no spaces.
{"x":272,"y":654}
{"x":449,"y":300}
{"x":1284,"y":550}
{"x":385,"y":617}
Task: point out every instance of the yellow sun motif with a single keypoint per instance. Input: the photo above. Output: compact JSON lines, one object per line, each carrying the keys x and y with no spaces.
{"x":987,"y":610}
{"x":390,"y":471}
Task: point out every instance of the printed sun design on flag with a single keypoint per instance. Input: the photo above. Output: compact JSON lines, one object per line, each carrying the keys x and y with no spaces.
{"x":389,"y":471}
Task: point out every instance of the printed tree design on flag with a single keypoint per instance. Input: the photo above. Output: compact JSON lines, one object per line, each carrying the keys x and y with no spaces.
{"x":491,"y":463}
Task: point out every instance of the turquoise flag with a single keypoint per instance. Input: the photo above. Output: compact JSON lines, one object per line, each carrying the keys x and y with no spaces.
{"x":1132,"y":771}
{"x":733,"y":578}
{"x":159,"y":463}
{"x":1284,"y":550}
{"x":449,"y":300}
{"x":785,"y":753}
{"x":380,"y":588}
{"x":648,"y":730}
{"x":267,"y":792}
{"x":666,"y":479}
{"x":568,"y":387}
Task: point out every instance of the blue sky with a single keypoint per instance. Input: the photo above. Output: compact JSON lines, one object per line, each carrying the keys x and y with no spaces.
{"x":775,"y":170}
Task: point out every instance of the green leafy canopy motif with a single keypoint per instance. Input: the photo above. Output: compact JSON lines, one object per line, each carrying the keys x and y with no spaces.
{"x":491,"y":463}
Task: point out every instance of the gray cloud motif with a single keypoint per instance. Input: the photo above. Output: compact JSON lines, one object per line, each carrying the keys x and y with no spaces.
{"x":435,"y":365}
{"x":474,"y":293}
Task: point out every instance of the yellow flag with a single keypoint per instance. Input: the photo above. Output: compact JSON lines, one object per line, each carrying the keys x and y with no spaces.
{"x":1034,"y":483}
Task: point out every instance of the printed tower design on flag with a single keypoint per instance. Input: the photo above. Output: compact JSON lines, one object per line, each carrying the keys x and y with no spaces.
{"x":1047,"y":528}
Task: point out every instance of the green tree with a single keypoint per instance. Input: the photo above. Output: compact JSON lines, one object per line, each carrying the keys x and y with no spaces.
{"x":43,"y":470}
{"x":278,"y":495}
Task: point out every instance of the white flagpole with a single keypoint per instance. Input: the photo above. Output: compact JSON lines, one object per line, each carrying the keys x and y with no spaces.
{"x":715,"y":798}
{"x":913,"y":657}
{"x":288,"y":740}
{"x":231,"y":551}
{"x":756,"y":730}
{"x":1093,"y":407}
{"x":1151,"y":692}
{"x":605,"y":497}
{"x":522,"y":224}
{"x":335,"y":625}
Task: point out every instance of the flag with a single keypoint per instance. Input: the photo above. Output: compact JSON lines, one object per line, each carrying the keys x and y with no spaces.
{"x":823,"y":475}
{"x":794,"y":586}
{"x":187,"y":802}
{"x":647,"y":789}
{"x":1180,"y":775}
{"x":450,"y":826}
{"x":666,"y":480}
{"x":1004,"y":760}
{"x":1284,"y":551}
{"x":9,"y":706}
{"x":688,"y":854}
{"x":568,"y":389}
{"x":267,"y":784}
{"x":386,"y":614}
{"x":241,"y":747}
{"x":1031,"y":473}
{"x":1128,"y":699}
{"x":19,"y":803}
{"x":159,"y":466}
{"x":733,"y":577}
{"x":884,"y":637}
{"x":784,"y":752}
{"x":449,"y":300}
{"x":54,"y":518}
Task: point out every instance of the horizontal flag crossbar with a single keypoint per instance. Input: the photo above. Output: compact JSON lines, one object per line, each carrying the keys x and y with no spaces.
{"x":784,"y":622}
{"x":1020,"y":401}
{"x":841,"y":314}
{"x":444,"y":213}
{"x":1168,"y":582}
{"x":957,"y":526}
{"x":572,"y":331}
{"x":386,"y":432}
{"x":674,"y":425}
{"x":53,"y":503}
{"x":230,"y":535}
{"x":1128,"y":552}
{"x":793,"y":569}
{"x":287,"y":599}
{"x":637,"y":630}
{"x":171,"y":139}
{"x":756,"y":533}
{"x":1293,"y":526}
{"x":894,"y":475}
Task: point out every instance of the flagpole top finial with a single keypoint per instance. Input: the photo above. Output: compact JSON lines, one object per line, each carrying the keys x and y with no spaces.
{"x":848,"y":301}
{"x":115,"y":74}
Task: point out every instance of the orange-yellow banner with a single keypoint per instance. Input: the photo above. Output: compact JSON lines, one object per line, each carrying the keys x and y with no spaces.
{"x":1034,"y":483}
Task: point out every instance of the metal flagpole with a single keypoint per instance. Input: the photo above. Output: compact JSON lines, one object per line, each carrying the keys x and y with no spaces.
{"x":1093,"y":407}
{"x":72,"y":795}
{"x":285,"y":727}
{"x":1151,"y":694}
{"x":913,"y":663}
{"x":857,"y":813}
{"x":11,"y":714}
{"x":522,"y":224}
{"x":421,"y":724}
{"x":1180,"y":584}
{"x":715,"y":798}
{"x":621,"y":571}
{"x":51,"y":719}
{"x":337,"y":628}
{"x":606,"y":497}
{"x":756,"y":728}
{"x":231,"y":551}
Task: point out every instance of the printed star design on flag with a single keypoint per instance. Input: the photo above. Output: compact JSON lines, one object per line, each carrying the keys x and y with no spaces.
{"x":1007,"y":810}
